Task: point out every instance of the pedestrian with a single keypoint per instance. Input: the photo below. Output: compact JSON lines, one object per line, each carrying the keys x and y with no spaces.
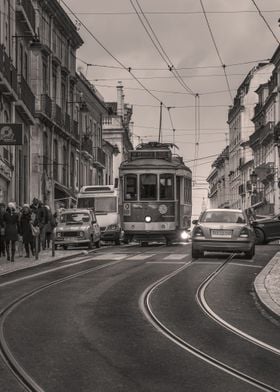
{"x":26,"y":230}
{"x":2,"y":230}
{"x":50,"y":225}
{"x":11,"y":224}
{"x":40,"y":219}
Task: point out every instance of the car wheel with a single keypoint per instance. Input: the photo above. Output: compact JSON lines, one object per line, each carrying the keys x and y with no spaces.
{"x":117,"y":241}
{"x":97,"y":244}
{"x":250,"y":254}
{"x":144,"y":243}
{"x":260,"y":238}
{"x":168,"y":242}
{"x":196,"y":254}
{"x":65,"y":247}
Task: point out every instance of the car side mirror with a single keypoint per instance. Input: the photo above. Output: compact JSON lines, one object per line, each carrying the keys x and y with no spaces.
{"x":195,"y":221}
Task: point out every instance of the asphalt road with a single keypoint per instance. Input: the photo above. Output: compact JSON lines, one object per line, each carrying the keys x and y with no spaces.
{"x":130,"y":319}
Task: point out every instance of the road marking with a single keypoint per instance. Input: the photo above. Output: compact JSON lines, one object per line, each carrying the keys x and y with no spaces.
{"x":176,"y":256}
{"x":141,"y":256}
{"x":111,"y":256}
{"x":165,"y":262}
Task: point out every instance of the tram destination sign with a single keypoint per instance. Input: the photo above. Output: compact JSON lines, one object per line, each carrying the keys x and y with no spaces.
{"x":11,"y":134}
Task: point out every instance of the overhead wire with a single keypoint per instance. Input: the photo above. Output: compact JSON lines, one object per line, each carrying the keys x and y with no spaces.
{"x":216,"y":48}
{"x":175,"y":12}
{"x":265,"y":21}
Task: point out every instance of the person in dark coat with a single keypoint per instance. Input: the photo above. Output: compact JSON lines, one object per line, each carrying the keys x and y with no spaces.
{"x":40,"y":219}
{"x":25,"y":230}
{"x":2,"y":230}
{"x":11,"y":223}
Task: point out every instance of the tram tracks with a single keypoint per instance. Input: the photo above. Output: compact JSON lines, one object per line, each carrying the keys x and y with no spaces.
{"x":9,"y":359}
{"x":146,"y":307}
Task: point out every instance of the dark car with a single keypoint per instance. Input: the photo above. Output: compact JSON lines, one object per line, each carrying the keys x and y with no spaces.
{"x":267,"y":229}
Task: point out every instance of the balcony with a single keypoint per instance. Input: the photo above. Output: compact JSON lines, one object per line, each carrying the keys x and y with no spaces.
{"x":8,"y":82}
{"x":241,"y":189}
{"x":75,"y":128}
{"x":100,"y":156}
{"x":57,"y":115}
{"x":254,"y":138}
{"x":26,"y":105}
{"x":67,"y":123}
{"x":26,"y":14}
{"x":45,"y":106}
{"x":86,"y":145}
{"x":267,"y":133}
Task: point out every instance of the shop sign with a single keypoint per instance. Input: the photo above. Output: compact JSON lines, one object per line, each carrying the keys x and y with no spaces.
{"x":11,"y":134}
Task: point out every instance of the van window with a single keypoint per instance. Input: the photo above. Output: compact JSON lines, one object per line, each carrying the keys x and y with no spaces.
{"x":130,"y":187}
{"x":105,"y":204}
{"x":148,"y":187}
{"x":86,"y":202}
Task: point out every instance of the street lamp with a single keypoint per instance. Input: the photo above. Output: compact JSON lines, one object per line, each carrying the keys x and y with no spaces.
{"x":35,"y":44}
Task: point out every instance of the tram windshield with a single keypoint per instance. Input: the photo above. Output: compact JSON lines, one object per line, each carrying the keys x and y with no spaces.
{"x":130,"y":185}
{"x":148,"y":186}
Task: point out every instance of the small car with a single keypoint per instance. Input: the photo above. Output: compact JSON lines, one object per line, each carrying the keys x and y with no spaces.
{"x":77,"y":226}
{"x":267,"y":229}
{"x":223,"y":230}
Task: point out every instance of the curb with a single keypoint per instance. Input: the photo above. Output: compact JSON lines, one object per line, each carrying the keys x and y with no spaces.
{"x":262,"y":290}
{"x":62,"y":258}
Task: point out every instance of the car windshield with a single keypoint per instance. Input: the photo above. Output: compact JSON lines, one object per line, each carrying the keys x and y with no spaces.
{"x":73,"y":217}
{"x":101,"y":204}
{"x":223,"y":217}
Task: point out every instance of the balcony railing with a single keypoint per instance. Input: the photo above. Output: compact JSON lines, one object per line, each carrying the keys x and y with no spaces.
{"x":57,"y":115}
{"x":7,"y":69}
{"x":26,"y":95}
{"x":75,"y":127}
{"x":86,"y":145}
{"x":46,"y":105}
{"x":267,"y":132}
{"x":100,"y":156}
{"x":29,"y":11}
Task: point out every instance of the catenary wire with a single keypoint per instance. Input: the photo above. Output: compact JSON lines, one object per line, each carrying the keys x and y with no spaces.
{"x":265,"y":21}
{"x":216,"y":48}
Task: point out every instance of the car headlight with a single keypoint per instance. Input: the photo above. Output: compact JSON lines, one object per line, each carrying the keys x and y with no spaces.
{"x":148,"y":219}
{"x":81,"y":234}
{"x":244,"y":233}
{"x":58,"y":234}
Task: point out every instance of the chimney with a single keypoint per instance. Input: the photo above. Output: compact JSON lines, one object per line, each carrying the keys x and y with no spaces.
{"x":120,"y":100}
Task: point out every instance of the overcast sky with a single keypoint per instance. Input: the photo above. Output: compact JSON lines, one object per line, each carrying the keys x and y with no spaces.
{"x":241,"y":36}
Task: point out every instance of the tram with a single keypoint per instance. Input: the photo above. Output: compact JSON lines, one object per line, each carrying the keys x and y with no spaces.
{"x":155,"y":194}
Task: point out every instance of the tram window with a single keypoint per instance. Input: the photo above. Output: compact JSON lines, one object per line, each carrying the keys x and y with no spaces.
{"x":166,"y":187}
{"x":130,"y":191}
{"x":188,"y":190}
{"x":148,"y":187}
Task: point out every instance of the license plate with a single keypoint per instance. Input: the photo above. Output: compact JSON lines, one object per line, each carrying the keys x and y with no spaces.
{"x":221,"y":233}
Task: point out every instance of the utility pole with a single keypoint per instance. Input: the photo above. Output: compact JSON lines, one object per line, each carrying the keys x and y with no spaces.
{"x":160,"y":121}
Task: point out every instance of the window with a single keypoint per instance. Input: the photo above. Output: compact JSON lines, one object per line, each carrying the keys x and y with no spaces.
{"x":148,"y":187}
{"x":188,"y":190}
{"x":130,"y":187}
{"x":166,"y":187}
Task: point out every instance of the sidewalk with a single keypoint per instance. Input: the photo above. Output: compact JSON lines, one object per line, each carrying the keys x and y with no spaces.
{"x":267,"y":286}
{"x":45,"y":256}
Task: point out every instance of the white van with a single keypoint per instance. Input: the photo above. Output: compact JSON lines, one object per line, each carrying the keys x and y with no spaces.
{"x":104,"y":200}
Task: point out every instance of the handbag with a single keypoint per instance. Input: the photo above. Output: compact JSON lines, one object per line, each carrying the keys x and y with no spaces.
{"x":35,"y":230}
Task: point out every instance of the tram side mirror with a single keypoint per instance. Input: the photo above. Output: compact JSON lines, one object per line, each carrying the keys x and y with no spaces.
{"x":195,"y":221}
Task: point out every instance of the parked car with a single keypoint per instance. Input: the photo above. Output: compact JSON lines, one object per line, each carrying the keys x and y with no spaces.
{"x":77,"y":226}
{"x":223,"y":230}
{"x":267,"y":229}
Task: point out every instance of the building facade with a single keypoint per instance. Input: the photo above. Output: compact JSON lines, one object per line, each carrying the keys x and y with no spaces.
{"x":240,"y":128}
{"x":117,"y":130}
{"x":218,"y":181}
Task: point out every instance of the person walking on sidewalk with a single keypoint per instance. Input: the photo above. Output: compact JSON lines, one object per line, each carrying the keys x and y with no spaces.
{"x":39,"y":218}
{"x":26,"y":231}
{"x":11,"y":223}
{"x":2,"y":230}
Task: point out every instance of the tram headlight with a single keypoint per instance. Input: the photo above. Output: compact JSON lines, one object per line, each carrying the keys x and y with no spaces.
{"x":185,"y":235}
{"x":148,"y":219}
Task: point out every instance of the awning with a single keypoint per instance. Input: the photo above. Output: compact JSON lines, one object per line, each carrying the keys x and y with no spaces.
{"x":64,"y":195}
